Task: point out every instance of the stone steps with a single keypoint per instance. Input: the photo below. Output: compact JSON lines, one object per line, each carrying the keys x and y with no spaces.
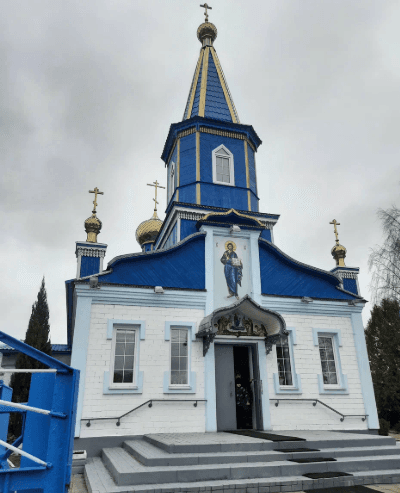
{"x":212,"y":461}
{"x":126,"y":470}
{"x":150,"y":455}
{"x":99,"y":480}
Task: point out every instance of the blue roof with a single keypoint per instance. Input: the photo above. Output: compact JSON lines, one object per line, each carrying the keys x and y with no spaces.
{"x":56,"y":348}
{"x":209,"y":96}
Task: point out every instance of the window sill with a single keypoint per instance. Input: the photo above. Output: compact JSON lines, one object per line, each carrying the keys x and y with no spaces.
{"x":333,"y":389}
{"x":179,"y":389}
{"x":112,"y":389}
{"x":287,"y":389}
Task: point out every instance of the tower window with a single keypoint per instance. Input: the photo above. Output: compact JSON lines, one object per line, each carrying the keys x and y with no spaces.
{"x":223,"y":172}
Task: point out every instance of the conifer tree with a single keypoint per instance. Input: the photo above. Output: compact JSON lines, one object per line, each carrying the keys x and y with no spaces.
{"x":37,"y":336}
{"x":383,"y":343}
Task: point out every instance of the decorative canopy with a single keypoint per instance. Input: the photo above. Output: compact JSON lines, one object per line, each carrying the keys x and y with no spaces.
{"x":243,"y":318}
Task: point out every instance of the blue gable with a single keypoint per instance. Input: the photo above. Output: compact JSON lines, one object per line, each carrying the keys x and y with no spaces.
{"x":181,"y":266}
{"x":284,"y":276}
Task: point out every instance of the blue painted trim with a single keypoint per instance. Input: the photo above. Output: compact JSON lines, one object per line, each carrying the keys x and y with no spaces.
{"x":189,"y":325}
{"x":133,"y":390}
{"x":296,"y":387}
{"x":367,"y":387}
{"x":111,"y":322}
{"x":80,"y":349}
{"x":262,"y":364}
{"x":342,"y":387}
{"x":190,"y":389}
{"x":209,"y":389}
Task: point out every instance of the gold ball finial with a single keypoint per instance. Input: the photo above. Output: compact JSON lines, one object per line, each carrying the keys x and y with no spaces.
{"x":92,"y":227}
{"x":338,"y":251}
{"x":207,"y":33}
{"x":148,"y":230}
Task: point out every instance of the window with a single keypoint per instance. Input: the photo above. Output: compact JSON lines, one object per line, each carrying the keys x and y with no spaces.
{"x":123,"y":375}
{"x":283,"y":358}
{"x":223,"y":172}
{"x":171,"y":180}
{"x":331,"y":380}
{"x":124,"y":355}
{"x":179,"y":356}
{"x":328,"y":365}
{"x":179,"y":337}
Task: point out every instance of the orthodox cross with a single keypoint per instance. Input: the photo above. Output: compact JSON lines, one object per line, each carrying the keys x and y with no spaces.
{"x":96,"y":192}
{"x":335,"y":223}
{"x":156,"y":185}
{"x":206,"y":6}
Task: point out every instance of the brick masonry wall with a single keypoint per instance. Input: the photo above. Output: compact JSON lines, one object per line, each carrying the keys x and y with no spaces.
{"x":303,"y":415}
{"x":154,"y":361}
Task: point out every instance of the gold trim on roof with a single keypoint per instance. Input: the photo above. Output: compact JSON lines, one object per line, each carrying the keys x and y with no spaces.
{"x":198,"y":167}
{"x":228,"y":98}
{"x":224,"y":133}
{"x":194,"y":85}
{"x":207,"y":216}
{"x":203,"y":87}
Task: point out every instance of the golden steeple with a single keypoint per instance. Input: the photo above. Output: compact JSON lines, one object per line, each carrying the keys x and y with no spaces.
{"x":93,"y":224}
{"x":148,"y":230}
{"x":338,"y":251}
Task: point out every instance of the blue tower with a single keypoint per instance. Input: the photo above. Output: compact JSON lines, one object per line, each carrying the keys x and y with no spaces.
{"x":210,"y":156}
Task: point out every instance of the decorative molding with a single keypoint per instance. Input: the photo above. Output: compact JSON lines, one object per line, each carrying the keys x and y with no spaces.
{"x":225,"y":133}
{"x":90,"y":252}
{"x":191,"y":216}
{"x":187,"y":132}
{"x":346,"y":274}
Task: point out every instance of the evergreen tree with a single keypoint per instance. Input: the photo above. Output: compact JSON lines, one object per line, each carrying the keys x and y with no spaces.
{"x":383,"y":343}
{"x":37,"y":336}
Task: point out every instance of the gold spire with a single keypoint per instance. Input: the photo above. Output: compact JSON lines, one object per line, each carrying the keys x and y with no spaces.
{"x":156,"y":185}
{"x":93,"y":224}
{"x":338,"y":251}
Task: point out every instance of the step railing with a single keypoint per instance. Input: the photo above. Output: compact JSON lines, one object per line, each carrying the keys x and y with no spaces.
{"x":150,"y":404}
{"x":315,"y":401}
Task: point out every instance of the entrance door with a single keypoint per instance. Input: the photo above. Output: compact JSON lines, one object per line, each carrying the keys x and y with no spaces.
{"x":225,"y":387}
{"x":237,"y":387}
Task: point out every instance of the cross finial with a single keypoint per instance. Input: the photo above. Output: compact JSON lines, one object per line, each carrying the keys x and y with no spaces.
{"x":206,"y":6}
{"x":335,"y":223}
{"x":156,"y":185}
{"x":96,"y":192}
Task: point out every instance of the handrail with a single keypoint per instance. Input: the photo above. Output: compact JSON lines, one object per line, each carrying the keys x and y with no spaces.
{"x":314,"y":401}
{"x":23,"y":407}
{"x":25,"y":454}
{"x":149,"y":402}
{"x":14,"y":370}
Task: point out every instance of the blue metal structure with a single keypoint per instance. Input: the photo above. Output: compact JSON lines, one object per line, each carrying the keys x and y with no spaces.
{"x":48,"y":425}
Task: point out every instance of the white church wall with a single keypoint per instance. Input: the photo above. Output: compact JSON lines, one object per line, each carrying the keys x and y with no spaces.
{"x":154,"y":354}
{"x":303,"y":415}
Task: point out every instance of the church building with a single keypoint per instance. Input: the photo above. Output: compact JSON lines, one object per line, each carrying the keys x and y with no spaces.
{"x":210,"y":326}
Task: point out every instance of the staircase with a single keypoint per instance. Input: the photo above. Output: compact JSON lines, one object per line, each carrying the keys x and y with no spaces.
{"x":192,"y":462}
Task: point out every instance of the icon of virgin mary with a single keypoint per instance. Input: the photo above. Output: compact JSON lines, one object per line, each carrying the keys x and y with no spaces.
{"x":233,"y":269}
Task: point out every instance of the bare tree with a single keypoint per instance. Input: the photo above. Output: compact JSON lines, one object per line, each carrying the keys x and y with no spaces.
{"x":384,"y":261}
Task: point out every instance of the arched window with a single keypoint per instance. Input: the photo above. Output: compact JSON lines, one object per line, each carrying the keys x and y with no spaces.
{"x":171,"y":180}
{"x":223,"y":171}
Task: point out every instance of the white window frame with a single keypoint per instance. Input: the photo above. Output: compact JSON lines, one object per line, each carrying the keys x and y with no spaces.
{"x":171,"y":180}
{"x":342,"y":386}
{"x":184,"y":385}
{"x":190,"y":387}
{"x":124,"y":385}
{"x":231,"y":166}
{"x":296,"y":379}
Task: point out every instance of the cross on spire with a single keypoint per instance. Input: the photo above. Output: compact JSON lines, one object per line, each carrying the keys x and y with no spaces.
{"x":96,"y":192}
{"x":335,"y":223}
{"x":156,"y":185}
{"x":206,"y":6}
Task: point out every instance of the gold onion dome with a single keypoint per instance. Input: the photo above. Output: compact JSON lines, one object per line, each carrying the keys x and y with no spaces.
{"x":148,"y":230}
{"x":92,"y":227}
{"x":206,"y":31}
{"x":339,"y":253}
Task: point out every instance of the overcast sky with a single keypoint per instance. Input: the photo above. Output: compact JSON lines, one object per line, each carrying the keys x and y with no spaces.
{"x":89,"y":89}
